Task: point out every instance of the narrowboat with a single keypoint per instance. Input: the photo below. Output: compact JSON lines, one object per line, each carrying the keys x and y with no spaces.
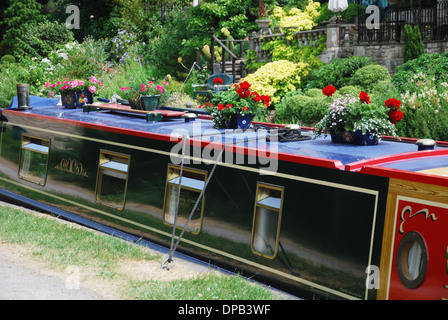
{"x":319,"y":219}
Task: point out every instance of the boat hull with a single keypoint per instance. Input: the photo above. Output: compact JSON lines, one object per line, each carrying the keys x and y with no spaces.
{"x":322,"y":237}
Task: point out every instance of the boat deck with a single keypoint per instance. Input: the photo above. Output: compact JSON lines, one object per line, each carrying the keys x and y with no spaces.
{"x":343,"y":156}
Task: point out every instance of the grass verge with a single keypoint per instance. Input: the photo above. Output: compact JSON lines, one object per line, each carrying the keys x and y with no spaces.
{"x":104,"y":258}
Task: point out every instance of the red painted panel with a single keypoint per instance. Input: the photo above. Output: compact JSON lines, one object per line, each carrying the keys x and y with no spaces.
{"x":430,"y":220}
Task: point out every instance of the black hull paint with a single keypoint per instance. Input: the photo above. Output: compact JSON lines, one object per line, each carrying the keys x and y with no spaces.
{"x":331,"y":222}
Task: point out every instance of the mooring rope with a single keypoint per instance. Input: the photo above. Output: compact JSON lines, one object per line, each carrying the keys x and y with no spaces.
{"x":173,"y":246}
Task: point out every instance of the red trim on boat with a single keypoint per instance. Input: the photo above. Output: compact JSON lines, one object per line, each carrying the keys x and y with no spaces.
{"x":355,"y":166}
{"x":405,"y":175}
{"x":163,"y":137}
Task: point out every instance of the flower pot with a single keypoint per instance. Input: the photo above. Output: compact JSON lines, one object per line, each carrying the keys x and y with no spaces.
{"x":263,"y":24}
{"x":76,"y":99}
{"x":147,"y":103}
{"x":237,"y":121}
{"x":355,"y":137}
{"x":150,"y":102}
{"x":243,"y":122}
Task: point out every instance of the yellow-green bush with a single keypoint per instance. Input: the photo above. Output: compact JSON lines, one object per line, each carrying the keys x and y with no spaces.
{"x":302,"y":20}
{"x":278,"y":78}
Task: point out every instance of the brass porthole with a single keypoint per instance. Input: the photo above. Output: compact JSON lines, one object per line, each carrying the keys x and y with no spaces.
{"x":412,"y":260}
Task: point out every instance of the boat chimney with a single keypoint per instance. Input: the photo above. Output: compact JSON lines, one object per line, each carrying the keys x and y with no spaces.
{"x":425,"y":144}
{"x":23,"y":96}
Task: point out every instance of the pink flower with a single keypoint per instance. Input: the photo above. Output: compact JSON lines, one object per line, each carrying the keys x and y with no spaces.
{"x":92,"y":89}
{"x":47,"y":84}
{"x":93,"y":79}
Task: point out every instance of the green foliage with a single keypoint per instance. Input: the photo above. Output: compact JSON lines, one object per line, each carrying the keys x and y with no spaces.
{"x":413,"y":44}
{"x":283,"y":49}
{"x":314,"y":92}
{"x":353,"y":90}
{"x":278,"y":78}
{"x":433,"y":66}
{"x":347,"y":15}
{"x":18,"y":18}
{"x":367,"y":77}
{"x":305,"y":109}
{"x":337,"y":72}
{"x":314,"y":110}
{"x":290,"y":108}
{"x":235,"y":15}
{"x":425,"y":108}
{"x":173,"y":49}
{"x":8,"y":59}
{"x":39,"y":40}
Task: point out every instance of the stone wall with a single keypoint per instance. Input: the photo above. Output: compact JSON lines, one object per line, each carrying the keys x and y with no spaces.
{"x":389,"y":55}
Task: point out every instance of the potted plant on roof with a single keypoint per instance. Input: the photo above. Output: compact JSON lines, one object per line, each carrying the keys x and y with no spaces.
{"x":356,"y":120}
{"x":74,"y":92}
{"x":236,"y":107}
{"x":145,"y":96}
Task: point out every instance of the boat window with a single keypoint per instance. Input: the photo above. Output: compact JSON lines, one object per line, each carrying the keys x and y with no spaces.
{"x":112,"y":179}
{"x":412,"y":260}
{"x":191,"y":186}
{"x":33,"y":159}
{"x":266,"y":222}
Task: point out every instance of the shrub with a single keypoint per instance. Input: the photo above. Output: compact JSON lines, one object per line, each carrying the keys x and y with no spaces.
{"x":314,"y":110}
{"x":42,"y":38}
{"x":425,"y":109}
{"x":314,"y":92}
{"x":290,"y":110}
{"x":413,"y":44}
{"x":302,"y":108}
{"x":432,"y":65}
{"x":8,"y":59}
{"x":367,"y":77}
{"x":337,"y":72}
{"x":278,"y":78}
{"x":354,"y":90}
{"x":296,"y":18}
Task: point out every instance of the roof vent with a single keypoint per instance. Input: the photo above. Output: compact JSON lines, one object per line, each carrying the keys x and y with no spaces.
{"x":425,"y":144}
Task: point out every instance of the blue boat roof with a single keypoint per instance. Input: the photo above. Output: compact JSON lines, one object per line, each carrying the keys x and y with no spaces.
{"x":320,"y":148}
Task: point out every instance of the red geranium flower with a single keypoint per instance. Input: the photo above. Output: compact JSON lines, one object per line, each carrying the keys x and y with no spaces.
{"x":393,"y":104}
{"x":395,"y":116}
{"x":364,"y":97}
{"x":221,"y":107}
{"x":217,"y":81}
{"x":328,"y":90}
{"x":265,"y":99}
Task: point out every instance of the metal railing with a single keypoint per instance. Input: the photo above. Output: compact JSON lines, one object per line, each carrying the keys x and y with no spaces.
{"x":432,"y":20}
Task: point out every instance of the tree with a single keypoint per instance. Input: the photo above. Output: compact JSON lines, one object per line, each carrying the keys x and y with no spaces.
{"x":413,"y":44}
{"x":20,"y":15}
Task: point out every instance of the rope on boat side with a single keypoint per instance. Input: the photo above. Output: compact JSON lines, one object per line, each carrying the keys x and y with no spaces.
{"x":173,"y":246}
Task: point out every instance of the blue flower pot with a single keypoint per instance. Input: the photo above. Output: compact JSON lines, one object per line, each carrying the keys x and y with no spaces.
{"x":75,"y":99}
{"x":355,"y":137}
